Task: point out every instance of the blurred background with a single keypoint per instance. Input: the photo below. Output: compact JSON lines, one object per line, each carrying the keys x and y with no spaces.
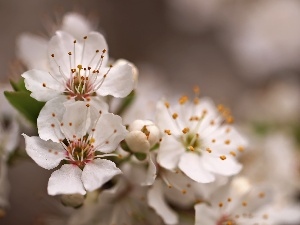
{"x":245,"y":54}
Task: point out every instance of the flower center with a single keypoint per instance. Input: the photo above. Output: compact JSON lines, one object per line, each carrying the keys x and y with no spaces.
{"x":80,"y":152}
{"x":192,"y":142}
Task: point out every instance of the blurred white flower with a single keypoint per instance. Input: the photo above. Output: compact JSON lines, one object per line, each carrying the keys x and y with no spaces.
{"x":278,"y":103}
{"x":276,"y":163}
{"x":234,"y":205}
{"x":199,"y":140}
{"x":82,"y":137}
{"x":265,"y":38}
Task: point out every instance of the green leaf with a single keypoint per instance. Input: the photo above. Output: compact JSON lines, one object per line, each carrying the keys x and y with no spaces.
{"x":25,"y":104}
{"x":19,"y":86}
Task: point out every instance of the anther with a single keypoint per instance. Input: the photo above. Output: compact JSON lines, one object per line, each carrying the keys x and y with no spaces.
{"x":222,"y":157}
{"x":44,"y":85}
{"x":183,"y":100}
{"x":191,"y":148}
{"x":52,"y":55}
{"x":227,"y":142}
{"x":175,"y":115}
{"x":168,"y":132}
{"x":85,"y":37}
{"x":232,"y":153}
{"x":185,"y":130}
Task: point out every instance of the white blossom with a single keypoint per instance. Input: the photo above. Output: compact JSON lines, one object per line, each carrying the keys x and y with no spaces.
{"x":198,"y":139}
{"x":82,"y":138}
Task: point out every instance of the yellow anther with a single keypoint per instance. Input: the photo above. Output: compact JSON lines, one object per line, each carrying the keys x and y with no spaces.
{"x":196,"y":100}
{"x":191,"y":148}
{"x":220,"y":204}
{"x":175,"y":115}
{"x":185,"y":130}
{"x":167,"y":105}
{"x":183,"y":99}
{"x":241,"y":148}
{"x":230,"y":119}
{"x":79,"y":66}
{"x":222,"y":157}
{"x":244,"y":204}
{"x":208,"y":150}
{"x":227,"y":142}
{"x":232,"y":153}
{"x":229,"y":199}
{"x":183,"y":191}
{"x":92,"y":140}
{"x":168,"y":132}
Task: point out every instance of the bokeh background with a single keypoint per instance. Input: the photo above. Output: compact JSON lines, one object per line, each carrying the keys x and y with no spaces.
{"x":245,"y":54}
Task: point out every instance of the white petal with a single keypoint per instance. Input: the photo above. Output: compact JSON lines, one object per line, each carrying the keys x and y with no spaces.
{"x":49,"y":119}
{"x":98,"y":172}
{"x":60,"y":45}
{"x":151,"y":172}
{"x":32,"y":50}
{"x":158,"y":203}
{"x":192,"y":165}
{"x":76,"y":119}
{"x":99,"y":103}
{"x":76,"y":24}
{"x":66,"y":180}
{"x":46,"y":154}
{"x":205,"y":215}
{"x":95,"y":41}
{"x":169,"y":153}
{"x":119,"y":81}
{"x":226,"y":167}
{"x":109,"y":132}
{"x":164,"y":120}
{"x":42,"y":85}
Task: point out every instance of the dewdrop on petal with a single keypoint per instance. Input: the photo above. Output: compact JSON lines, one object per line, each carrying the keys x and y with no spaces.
{"x":143,"y":135}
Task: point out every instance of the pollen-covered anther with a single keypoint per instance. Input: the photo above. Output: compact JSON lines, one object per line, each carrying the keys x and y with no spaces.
{"x":191,"y":148}
{"x":232,"y":153}
{"x":168,"y":132}
{"x":183,"y":99}
{"x":175,"y":115}
{"x":87,"y":105}
{"x":185,"y":130}
{"x":167,"y":104}
{"x":222,"y":157}
{"x":241,"y":148}
{"x":227,"y":142}
{"x":208,"y":150}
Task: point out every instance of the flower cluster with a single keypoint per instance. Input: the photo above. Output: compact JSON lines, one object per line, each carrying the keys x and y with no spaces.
{"x":182,"y":166}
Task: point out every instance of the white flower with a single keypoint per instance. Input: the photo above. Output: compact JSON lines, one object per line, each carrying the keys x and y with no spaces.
{"x":79,"y":72}
{"x":198,"y":140}
{"x":81,"y":140}
{"x":143,"y":135}
{"x":234,"y":204}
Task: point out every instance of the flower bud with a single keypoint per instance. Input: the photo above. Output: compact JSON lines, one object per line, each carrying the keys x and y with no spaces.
{"x":143,"y":134}
{"x":72,"y":200}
